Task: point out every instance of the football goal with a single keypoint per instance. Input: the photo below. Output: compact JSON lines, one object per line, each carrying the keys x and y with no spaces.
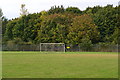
{"x":55,"y":47}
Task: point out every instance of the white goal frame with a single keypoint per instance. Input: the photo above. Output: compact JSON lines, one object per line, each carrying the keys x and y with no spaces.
{"x":52,"y":44}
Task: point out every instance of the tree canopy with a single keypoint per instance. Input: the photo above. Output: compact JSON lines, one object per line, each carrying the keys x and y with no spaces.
{"x":70,"y":26}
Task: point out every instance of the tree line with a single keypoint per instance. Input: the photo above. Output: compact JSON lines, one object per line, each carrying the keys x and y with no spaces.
{"x":95,"y":25}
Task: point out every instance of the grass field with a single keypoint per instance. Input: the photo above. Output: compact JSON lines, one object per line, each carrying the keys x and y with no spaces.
{"x":60,"y":65}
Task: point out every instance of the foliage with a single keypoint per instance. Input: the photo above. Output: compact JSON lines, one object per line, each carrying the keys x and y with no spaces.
{"x":4,"y":23}
{"x":115,"y":38}
{"x":82,"y":26}
{"x":56,"y":9}
{"x":106,"y":20}
{"x":23,"y":10}
{"x":1,"y":13}
{"x":86,"y":44}
{"x":70,"y":26}
{"x":74,"y":10}
{"x":9,"y":33}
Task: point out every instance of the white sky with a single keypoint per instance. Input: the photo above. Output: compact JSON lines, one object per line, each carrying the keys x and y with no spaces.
{"x":11,"y":8}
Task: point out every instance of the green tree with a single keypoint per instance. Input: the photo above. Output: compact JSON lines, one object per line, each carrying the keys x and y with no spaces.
{"x":70,"y":25}
{"x":9,"y":33}
{"x":106,"y":20}
{"x":86,"y":43}
{"x":115,"y":38}
{"x":73,"y":10}
{"x":58,"y":9}
{"x":4,"y":23}
{"x":53,"y":26}
{"x":26,"y":28}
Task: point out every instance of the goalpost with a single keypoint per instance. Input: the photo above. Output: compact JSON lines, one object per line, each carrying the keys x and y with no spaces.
{"x":55,"y":47}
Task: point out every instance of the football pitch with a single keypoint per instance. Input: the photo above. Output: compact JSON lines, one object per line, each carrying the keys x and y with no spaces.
{"x":59,"y":64}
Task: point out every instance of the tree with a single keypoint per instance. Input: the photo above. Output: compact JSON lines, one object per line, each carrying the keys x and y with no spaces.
{"x":115,"y":38}
{"x":86,"y":43}
{"x":1,"y":13}
{"x":9,"y":32}
{"x":92,"y":11}
{"x":74,"y":10}
{"x":23,"y":10}
{"x":54,"y":27}
{"x":0,"y":25}
{"x":106,"y":20}
{"x":1,"y":19}
{"x":82,"y":26}
{"x":70,"y":26}
{"x":58,"y":9}
{"x":4,"y":24}
{"x":88,"y":10}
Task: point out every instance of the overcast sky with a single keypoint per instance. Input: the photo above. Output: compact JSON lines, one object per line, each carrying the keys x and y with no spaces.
{"x":11,"y":8}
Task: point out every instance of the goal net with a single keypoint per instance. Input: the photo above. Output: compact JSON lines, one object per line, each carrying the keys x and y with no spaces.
{"x":56,"y":47}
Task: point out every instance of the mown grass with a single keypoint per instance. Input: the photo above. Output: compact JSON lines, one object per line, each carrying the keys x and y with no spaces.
{"x":65,"y":65}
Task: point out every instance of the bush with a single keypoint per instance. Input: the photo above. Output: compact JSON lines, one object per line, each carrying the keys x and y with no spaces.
{"x":86,"y":44}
